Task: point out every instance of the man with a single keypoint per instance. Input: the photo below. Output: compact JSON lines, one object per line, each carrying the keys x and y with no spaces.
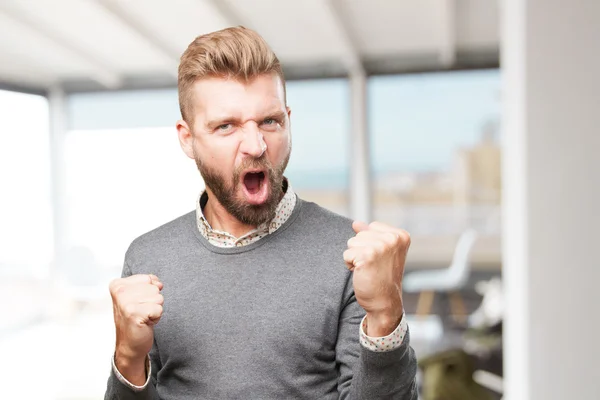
{"x":259,"y":294}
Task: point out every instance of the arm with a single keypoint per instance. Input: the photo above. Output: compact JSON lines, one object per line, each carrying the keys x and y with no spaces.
{"x":119,"y":388}
{"x":376,"y":257}
{"x":366,"y":374}
{"x":132,"y":377}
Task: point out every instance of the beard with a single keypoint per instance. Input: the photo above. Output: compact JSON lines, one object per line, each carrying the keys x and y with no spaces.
{"x":226,"y":190}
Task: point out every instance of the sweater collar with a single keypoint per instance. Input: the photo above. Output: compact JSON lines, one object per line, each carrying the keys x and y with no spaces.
{"x":225,"y":239}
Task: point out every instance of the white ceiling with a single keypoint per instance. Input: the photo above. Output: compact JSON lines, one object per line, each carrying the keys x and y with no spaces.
{"x":111,"y":44}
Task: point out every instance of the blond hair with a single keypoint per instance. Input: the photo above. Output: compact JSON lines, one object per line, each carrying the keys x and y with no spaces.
{"x":238,"y":53}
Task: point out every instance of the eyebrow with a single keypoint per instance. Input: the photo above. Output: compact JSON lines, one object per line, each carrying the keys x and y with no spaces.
{"x":277,"y":115}
{"x":220,"y":121}
{"x":213,"y":124}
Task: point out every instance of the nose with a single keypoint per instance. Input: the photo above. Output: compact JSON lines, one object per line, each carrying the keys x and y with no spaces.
{"x":253,"y":143}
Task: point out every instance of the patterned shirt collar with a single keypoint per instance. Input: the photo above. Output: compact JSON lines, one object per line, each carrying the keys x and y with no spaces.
{"x":225,"y":239}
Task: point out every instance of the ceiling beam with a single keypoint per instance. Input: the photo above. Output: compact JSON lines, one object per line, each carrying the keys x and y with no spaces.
{"x":23,"y":70}
{"x":101,"y":72}
{"x":170,"y":54}
{"x":16,"y":86}
{"x":447,"y":32}
{"x":374,"y":66}
{"x":334,"y":9}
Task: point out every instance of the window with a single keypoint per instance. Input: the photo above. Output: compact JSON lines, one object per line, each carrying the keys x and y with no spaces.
{"x":436,"y":159}
{"x":319,"y":169}
{"x":125,"y":178}
{"x":26,"y":248}
{"x":122,"y":183}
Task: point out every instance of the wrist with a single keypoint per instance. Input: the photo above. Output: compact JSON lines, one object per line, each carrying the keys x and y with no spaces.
{"x":381,"y":326}
{"x":383,"y":323}
{"x":128,"y":354}
{"x":131,"y":367}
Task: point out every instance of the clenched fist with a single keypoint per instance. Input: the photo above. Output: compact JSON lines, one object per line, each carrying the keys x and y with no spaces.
{"x":137,"y":307}
{"x":377,"y":255}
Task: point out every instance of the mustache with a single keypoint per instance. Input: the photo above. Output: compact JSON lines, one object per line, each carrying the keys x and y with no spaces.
{"x":250,"y":162}
{"x":254,"y":163}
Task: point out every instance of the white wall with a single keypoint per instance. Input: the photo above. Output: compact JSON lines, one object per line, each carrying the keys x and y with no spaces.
{"x":551,"y":61}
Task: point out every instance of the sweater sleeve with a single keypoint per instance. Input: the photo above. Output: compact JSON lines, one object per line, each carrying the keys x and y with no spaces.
{"x":118,"y":388}
{"x":366,"y":374}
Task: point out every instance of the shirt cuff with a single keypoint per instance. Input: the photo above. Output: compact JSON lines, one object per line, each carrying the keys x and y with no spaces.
{"x":125,"y":382}
{"x":385,"y":343}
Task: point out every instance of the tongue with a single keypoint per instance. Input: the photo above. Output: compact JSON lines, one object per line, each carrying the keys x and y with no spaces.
{"x":252,"y":182}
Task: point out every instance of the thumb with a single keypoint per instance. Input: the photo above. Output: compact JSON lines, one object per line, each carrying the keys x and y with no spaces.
{"x":156,"y":281}
{"x":359,"y":226}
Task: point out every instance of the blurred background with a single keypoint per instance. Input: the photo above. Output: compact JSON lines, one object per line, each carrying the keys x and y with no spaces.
{"x":400,"y":114}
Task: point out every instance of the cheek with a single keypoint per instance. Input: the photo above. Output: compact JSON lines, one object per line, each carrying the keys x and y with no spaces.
{"x":219,"y":153}
{"x":277,"y":148}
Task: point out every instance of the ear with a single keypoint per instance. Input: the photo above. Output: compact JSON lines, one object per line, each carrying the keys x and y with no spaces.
{"x":289,"y":111}
{"x":186,"y":138}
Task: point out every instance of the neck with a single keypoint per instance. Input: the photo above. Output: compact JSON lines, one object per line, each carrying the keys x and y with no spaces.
{"x":219,"y":219}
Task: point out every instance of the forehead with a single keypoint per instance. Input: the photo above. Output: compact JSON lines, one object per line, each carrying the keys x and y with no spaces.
{"x":216,"y":97}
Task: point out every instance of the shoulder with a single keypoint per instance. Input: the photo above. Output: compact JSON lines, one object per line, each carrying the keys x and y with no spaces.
{"x":169,"y":235}
{"x":326,"y":222}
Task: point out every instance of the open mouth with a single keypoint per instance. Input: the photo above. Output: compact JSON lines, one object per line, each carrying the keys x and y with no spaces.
{"x":255,"y":186}
{"x":253,"y":181}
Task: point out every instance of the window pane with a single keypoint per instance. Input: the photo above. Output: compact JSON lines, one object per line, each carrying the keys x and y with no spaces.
{"x":25,"y":214}
{"x":123,"y":183}
{"x":318,"y":169}
{"x":436,"y":160}
{"x":123,"y":109}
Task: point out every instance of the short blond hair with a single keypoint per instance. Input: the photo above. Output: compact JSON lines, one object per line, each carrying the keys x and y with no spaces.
{"x":237,"y":52}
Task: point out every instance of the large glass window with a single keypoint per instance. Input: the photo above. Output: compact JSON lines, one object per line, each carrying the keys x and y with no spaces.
{"x":26,"y":246}
{"x":26,"y":239}
{"x":122,"y":183}
{"x":319,"y":168}
{"x":436,"y":159}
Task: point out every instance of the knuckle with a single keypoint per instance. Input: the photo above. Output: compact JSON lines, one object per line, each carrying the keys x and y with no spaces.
{"x":129,"y":310}
{"x":369,"y":254}
{"x":405,"y":237}
{"x":391,"y":238}
{"x":160,"y":300}
{"x":112,"y":286}
{"x":116,"y":289}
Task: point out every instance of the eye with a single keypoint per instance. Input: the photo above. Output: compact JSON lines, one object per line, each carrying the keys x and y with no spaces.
{"x":271,"y":124}
{"x":225,"y":129}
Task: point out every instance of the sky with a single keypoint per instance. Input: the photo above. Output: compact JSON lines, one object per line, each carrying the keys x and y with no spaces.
{"x":416,"y":121}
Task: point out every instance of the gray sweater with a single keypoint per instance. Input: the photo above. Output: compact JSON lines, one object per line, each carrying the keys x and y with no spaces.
{"x":276,"y":319}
